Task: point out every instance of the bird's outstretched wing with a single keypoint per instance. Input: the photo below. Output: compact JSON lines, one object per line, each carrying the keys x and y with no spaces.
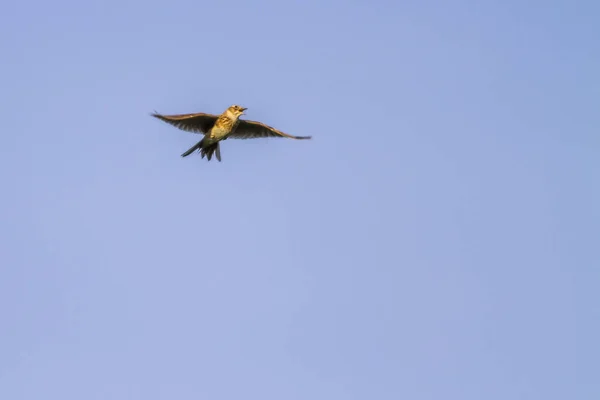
{"x":252,"y":130}
{"x":197,"y":123}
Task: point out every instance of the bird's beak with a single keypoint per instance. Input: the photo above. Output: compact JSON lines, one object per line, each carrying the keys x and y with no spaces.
{"x":243,"y":109}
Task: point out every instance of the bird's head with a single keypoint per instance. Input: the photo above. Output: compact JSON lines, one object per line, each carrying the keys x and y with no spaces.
{"x":236,"y":111}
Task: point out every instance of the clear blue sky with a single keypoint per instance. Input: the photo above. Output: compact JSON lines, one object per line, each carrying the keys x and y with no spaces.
{"x":437,"y":239}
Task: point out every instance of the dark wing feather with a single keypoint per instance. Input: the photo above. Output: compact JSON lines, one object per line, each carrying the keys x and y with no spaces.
{"x":252,"y":130}
{"x":197,"y":123}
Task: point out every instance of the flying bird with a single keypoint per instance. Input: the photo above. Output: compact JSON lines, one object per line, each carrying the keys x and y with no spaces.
{"x":221,"y":127}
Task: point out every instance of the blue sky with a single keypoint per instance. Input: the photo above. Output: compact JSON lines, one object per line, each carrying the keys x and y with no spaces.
{"x":437,"y":239}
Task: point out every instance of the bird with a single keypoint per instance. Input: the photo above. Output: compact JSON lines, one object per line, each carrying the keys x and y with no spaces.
{"x":221,"y":127}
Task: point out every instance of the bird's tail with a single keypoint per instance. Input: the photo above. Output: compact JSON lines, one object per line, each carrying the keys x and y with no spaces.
{"x":205,"y":150}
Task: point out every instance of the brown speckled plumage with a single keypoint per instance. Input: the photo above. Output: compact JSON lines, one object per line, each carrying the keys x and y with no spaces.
{"x":220,"y":127}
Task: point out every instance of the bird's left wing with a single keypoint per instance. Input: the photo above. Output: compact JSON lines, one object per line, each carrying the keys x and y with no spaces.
{"x":252,"y":129}
{"x":197,"y":123}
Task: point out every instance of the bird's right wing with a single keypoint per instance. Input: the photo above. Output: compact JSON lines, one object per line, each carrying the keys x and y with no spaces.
{"x":251,"y":130}
{"x":197,"y":123}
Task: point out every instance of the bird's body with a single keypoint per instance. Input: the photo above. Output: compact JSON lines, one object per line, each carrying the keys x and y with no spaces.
{"x":223,"y":127}
{"x":220,"y":127}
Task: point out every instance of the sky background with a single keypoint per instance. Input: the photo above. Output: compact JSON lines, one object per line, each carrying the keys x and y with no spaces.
{"x":437,"y":239}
